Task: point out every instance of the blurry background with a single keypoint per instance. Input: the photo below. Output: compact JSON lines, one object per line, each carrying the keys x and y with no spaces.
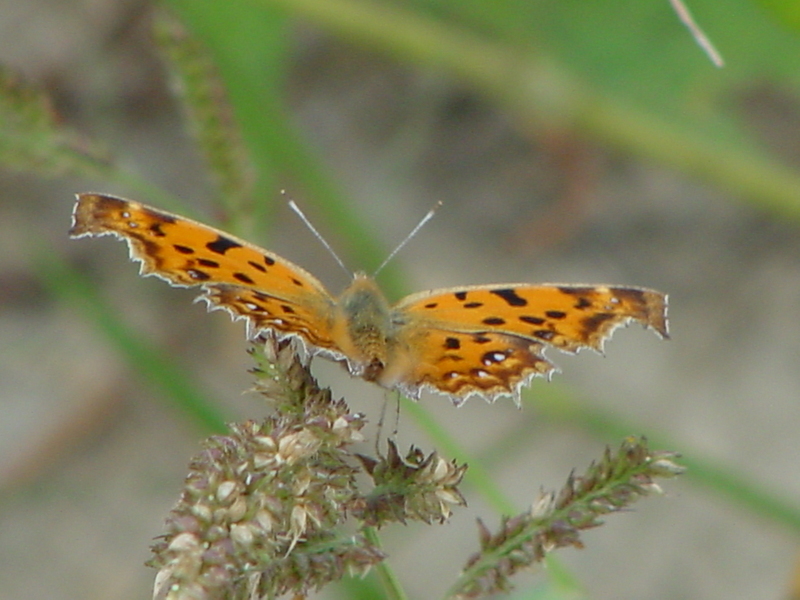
{"x":569,"y":141}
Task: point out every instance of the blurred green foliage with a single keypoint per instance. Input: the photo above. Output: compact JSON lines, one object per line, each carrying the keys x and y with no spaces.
{"x":625,"y":74}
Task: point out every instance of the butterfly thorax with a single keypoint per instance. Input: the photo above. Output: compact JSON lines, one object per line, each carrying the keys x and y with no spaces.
{"x":363,"y":325}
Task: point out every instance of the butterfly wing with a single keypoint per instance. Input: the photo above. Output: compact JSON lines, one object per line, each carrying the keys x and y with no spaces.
{"x":250,"y":283}
{"x":489,"y":340}
{"x":459,"y":364}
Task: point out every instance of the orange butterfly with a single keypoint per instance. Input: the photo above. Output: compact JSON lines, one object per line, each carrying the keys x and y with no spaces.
{"x":485,"y":340}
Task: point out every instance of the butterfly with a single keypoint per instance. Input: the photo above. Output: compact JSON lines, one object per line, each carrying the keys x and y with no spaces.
{"x":483,"y":340}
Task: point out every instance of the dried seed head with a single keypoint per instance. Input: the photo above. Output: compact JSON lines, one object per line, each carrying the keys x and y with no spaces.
{"x":259,"y":502}
{"x":416,"y":488}
{"x":556,"y":519}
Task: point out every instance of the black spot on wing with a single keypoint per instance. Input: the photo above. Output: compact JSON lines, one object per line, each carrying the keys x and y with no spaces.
{"x":257,"y":266}
{"x":473,"y":304}
{"x":582,"y":303}
{"x":452,"y":343}
{"x":432,"y":305}
{"x":481,"y":339}
{"x":531,"y":320}
{"x":461,"y":296}
{"x":183,"y":249}
{"x":268,"y":260}
{"x":510,"y":296}
{"x":155,"y":229}
{"x":493,"y":321}
{"x":222,"y":244}
{"x":198,"y":275}
{"x":287,"y":309}
{"x":243,"y":278}
{"x":555,"y":314}
{"x":204,"y":262}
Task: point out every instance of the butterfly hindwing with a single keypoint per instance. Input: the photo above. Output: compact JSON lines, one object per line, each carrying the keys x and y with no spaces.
{"x":265,"y":312}
{"x":460,"y":364}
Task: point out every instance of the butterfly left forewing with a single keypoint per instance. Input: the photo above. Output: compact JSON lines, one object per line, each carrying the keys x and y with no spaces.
{"x":250,"y":283}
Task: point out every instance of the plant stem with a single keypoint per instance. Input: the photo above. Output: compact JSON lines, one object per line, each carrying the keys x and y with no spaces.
{"x":387,"y":577}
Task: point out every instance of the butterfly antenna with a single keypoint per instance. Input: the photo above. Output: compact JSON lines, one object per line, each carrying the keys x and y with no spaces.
{"x":295,"y":208}
{"x":414,"y":231}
